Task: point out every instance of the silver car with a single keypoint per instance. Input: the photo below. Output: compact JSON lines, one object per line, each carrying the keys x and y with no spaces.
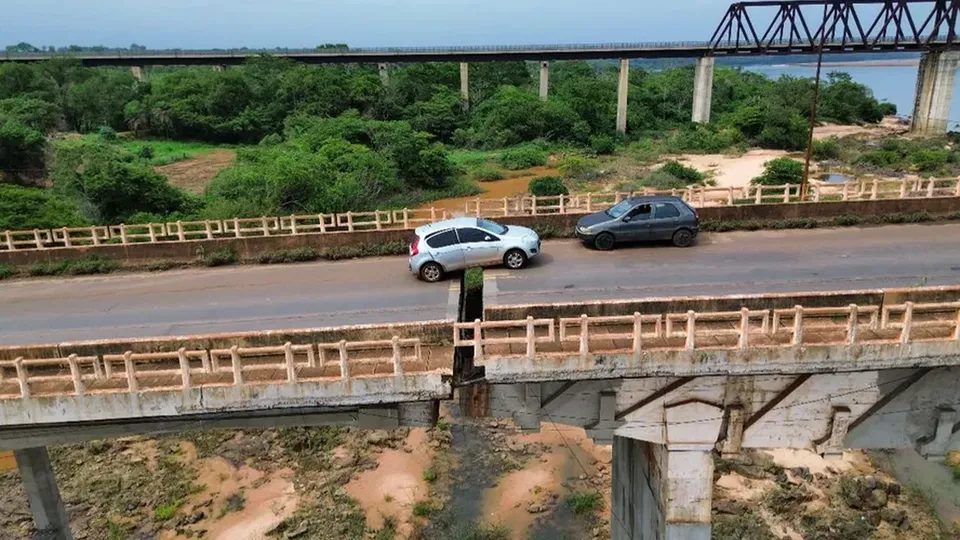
{"x":459,"y":243}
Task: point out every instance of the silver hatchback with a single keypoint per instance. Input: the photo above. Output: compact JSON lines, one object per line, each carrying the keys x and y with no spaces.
{"x":459,"y":243}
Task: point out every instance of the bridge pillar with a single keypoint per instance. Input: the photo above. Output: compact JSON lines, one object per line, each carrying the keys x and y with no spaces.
{"x":703,"y":89}
{"x":465,"y":84}
{"x":139,"y":72}
{"x":931,"y":108}
{"x":544,"y":79}
{"x":49,"y":515}
{"x":220,"y":67}
{"x":384,"y":73}
{"x":623,"y":88}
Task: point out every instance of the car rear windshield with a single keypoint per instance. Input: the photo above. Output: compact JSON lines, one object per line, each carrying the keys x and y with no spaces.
{"x":490,"y":226}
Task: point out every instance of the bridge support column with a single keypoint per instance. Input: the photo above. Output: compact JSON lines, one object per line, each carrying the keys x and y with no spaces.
{"x":544,"y":79}
{"x":623,"y":88}
{"x":384,"y":73}
{"x":49,"y":515}
{"x":931,"y":108}
{"x":703,"y":89}
{"x":139,"y":72}
{"x":220,"y":67}
{"x":465,"y":84}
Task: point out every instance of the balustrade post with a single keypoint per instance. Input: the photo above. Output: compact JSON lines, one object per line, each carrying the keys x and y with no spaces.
{"x":691,"y":330}
{"x":956,"y":189}
{"x":786,"y":193}
{"x":208,"y":229}
{"x":75,"y":374}
{"x":852,"y":324}
{"x":11,"y":247}
{"x":291,"y":364}
{"x":94,"y":236}
{"x":66,"y":238}
{"x":311,"y":356}
{"x":562,"y":198}
{"x":844,"y":194}
{"x":533,"y":204}
{"x":930,"y":187}
{"x":477,"y":207}
{"x":184,"y":367}
{"x":397,"y":359}
{"x":151,"y":233}
{"x":506,"y":207}
{"x":531,"y":338}
{"x":293,"y":224}
{"x":703,"y":196}
{"x":205,"y":361}
{"x":584,"y":338}
{"x":132,"y":384}
{"x":907,"y":323}
{"x":323,"y":223}
{"x":956,"y":328}
{"x":637,"y":337}
{"x":406,"y":218}
{"x":37,"y":239}
{"x":589,"y":202}
{"x":875,"y":189}
{"x":237,"y":368}
{"x":477,"y":344}
{"x":903,"y":188}
{"x":107,"y":368}
{"x":797,"y":326}
{"x":263,"y":226}
{"x":433,"y":214}
{"x":815,"y":189}
{"x":759,"y":195}
{"x":730,"y":196}
{"x":344,"y":365}
{"x":744,"y":341}
{"x":376,"y":218}
{"x":236,"y":227}
{"x":22,"y":377}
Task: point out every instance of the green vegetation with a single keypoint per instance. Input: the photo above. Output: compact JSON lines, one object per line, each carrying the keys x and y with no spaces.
{"x":166,"y":511}
{"x":92,"y":264}
{"x":548,"y":186}
{"x":429,"y":475}
{"x":780,"y":171}
{"x":423,"y":508}
{"x":473,"y":281}
{"x":220,"y":257}
{"x":523,"y":157}
{"x":283,"y":256}
{"x":486,"y":172}
{"x":584,"y":502}
{"x":686,"y":174}
{"x":5,"y":271}
{"x":579,"y":168}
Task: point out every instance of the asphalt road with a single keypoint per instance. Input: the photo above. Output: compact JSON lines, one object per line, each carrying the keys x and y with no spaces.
{"x":381,"y":290}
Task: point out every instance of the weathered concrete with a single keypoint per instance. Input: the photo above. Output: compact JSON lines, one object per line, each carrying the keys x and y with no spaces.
{"x":623,"y":89}
{"x":139,"y":72}
{"x":220,"y":67}
{"x":703,"y":89}
{"x":465,"y":84}
{"x":49,"y":515}
{"x":935,"y":80}
{"x":544,"y":80}
{"x":384,"y":70}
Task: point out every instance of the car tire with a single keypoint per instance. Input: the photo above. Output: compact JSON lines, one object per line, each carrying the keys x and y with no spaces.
{"x":604,"y":241}
{"x":515,"y":259}
{"x":431,"y":272}
{"x":683,"y":238}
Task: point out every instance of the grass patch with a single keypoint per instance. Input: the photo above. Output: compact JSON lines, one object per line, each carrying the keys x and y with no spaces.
{"x":220,"y":257}
{"x":92,"y":264}
{"x":430,"y":475}
{"x":389,"y":529}
{"x":365,"y":250}
{"x":166,"y":152}
{"x":523,"y":157}
{"x":473,"y":279}
{"x":477,"y":531}
{"x":899,"y":217}
{"x":6,"y":271}
{"x":487,"y":173}
{"x":166,"y":511}
{"x":443,"y":425}
{"x":584,"y":502}
{"x":282,"y":256}
{"x":423,"y":508}
{"x":234,"y":503}
{"x":848,"y":221}
{"x":462,"y":186}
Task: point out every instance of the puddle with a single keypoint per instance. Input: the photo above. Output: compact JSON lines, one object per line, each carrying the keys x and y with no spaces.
{"x":836,"y":178}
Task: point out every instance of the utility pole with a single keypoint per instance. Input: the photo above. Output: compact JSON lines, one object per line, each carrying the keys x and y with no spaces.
{"x":813,"y":121}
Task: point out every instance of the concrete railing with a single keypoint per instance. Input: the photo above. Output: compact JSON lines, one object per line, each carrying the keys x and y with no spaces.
{"x":184,"y":231}
{"x":638,"y":342}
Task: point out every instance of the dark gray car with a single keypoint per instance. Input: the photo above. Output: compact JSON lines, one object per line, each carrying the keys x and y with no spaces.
{"x":641,"y":219}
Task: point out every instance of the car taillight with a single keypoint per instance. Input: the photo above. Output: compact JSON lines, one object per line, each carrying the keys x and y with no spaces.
{"x":415,"y":247}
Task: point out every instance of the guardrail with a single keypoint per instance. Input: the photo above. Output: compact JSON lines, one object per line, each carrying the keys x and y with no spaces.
{"x":183,"y":369}
{"x":712,"y":331}
{"x":699,"y":196}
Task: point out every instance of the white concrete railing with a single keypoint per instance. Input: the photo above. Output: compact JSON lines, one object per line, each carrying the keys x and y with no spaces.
{"x":717,"y":330}
{"x":188,"y":368}
{"x":182,"y":231}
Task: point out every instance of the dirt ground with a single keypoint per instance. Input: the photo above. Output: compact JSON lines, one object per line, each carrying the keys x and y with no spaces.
{"x":194,"y":174}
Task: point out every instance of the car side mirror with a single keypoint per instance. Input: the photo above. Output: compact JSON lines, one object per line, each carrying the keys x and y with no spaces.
{"x":487,"y":239}
{"x":626,"y":219}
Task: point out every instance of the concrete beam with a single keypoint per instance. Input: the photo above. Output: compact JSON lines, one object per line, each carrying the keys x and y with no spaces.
{"x":623,"y":88}
{"x":703,"y":89}
{"x":139,"y":72}
{"x":49,"y":515}
{"x":465,"y":84}
{"x":935,"y":80}
{"x":544,"y":79}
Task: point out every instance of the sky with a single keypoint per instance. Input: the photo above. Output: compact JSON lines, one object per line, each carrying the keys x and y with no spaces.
{"x":202,"y":24}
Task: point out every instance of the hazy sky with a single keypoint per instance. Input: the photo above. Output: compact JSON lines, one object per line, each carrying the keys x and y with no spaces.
{"x":306,"y":23}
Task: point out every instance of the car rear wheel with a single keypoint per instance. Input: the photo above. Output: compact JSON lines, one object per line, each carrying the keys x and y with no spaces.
{"x":515,"y":259}
{"x":431,"y":272}
{"x":682,"y":238}
{"x":604,"y":242}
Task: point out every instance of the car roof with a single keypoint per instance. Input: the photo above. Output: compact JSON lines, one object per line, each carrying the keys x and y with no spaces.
{"x":654,"y":198}
{"x":446,"y":224}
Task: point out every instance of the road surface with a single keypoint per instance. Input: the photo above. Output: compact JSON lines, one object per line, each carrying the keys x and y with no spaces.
{"x":381,"y":290}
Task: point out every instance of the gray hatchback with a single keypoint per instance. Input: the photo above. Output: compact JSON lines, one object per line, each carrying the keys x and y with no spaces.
{"x":640,"y":219}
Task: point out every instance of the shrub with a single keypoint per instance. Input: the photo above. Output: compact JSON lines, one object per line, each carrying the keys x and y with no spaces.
{"x":929,"y":160}
{"x":166,"y":511}
{"x":704,"y":140}
{"x":879,"y":158}
{"x":473,"y":279}
{"x":887,"y":108}
{"x":584,"y":502}
{"x":486,"y":173}
{"x":429,"y":475}
{"x":794,"y":223}
{"x":602,"y":144}
{"x":423,"y":508}
{"x":579,"y":167}
{"x":826,"y":149}
{"x":682,"y":172}
{"x":548,"y":186}
{"x":107,"y":133}
{"x":847,"y":221}
{"x":146,"y":153}
{"x":5,"y":271}
{"x":780,"y":171}
{"x":288,"y":256}
{"x":898,"y":217}
{"x":523,"y":157}
{"x":23,"y":208}
{"x":660,"y":179}
{"x":365,"y":250}
{"x":92,"y":264}
{"x":220,"y":257}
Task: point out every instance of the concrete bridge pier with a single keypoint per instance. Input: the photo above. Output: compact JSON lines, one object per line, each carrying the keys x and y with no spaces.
{"x":465,"y":84}
{"x":544,"y":80}
{"x":623,"y":88}
{"x":935,"y":79}
{"x":384,"y":73}
{"x":139,"y":72}
{"x":49,"y":515}
{"x":220,"y":68}
{"x":703,"y":89}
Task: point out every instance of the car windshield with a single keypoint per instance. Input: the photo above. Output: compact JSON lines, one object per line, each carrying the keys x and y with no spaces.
{"x":490,"y":226}
{"x":619,"y":209}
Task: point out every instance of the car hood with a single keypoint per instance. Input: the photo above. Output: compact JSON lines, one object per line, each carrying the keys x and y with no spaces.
{"x":593,"y":219}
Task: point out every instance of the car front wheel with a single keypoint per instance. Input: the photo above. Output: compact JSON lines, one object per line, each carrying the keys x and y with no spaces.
{"x":604,"y":242}
{"x":431,"y":272}
{"x":682,"y":238}
{"x":515,"y":259}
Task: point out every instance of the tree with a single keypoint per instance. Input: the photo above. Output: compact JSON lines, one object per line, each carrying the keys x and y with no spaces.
{"x":35,"y":208}
{"x":100,"y":100}
{"x":780,"y":171}
{"x":440,"y":115}
{"x":22,"y":47}
{"x":548,"y":186}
